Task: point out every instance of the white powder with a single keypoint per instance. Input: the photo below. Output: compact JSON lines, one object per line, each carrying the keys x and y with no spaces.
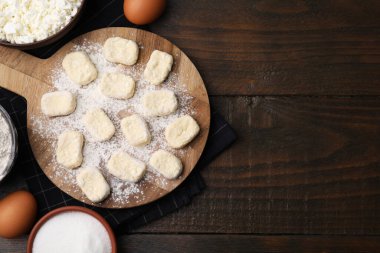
{"x":96,"y":154}
{"x":71,"y":232}
{"x":26,"y":21}
{"x":5,"y":145}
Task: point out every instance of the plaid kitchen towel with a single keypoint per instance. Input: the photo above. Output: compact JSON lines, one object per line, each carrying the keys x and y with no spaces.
{"x":99,"y":14}
{"x":50,"y":197}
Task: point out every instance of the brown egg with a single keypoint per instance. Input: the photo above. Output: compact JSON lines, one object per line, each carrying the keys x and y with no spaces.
{"x":142,"y":12}
{"x":17,"y":214}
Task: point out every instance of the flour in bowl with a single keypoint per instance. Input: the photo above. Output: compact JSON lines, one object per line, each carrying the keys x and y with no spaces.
{"x":5,"y":145}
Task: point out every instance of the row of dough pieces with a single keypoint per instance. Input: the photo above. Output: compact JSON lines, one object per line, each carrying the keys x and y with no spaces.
{"x":82,"y":71}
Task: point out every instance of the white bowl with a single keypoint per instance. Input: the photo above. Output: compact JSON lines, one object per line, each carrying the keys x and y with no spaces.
{"x":14,"y":144}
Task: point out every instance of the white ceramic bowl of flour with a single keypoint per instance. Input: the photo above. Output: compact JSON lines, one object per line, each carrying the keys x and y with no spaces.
{"x":8,"y":143}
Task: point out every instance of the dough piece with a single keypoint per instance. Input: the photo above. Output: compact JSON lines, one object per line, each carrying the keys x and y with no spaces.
{"x":181,"y":131}
{"x":160,"y":103}
{"x":135,"y":130}
{"x":93,"y":184}
{"x":99,"y":125}
{"x":79,"y":67}
{"x":166,"y":163}
{"x":119,"y":50}
{"x":69,"y":149}
{"x":158,"y":67}
{"x":117,"y":85}
{"x":125,"y":167}
{"x":58,"y":103}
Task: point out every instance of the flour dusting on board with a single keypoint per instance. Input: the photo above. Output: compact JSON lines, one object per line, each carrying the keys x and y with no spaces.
{"x":96,"y":154}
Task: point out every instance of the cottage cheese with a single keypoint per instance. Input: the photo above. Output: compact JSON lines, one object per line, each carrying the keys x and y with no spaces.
{"x":26,"y":21}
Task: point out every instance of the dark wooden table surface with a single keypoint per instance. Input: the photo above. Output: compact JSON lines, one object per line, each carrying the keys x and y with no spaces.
{"x":300,"y":83}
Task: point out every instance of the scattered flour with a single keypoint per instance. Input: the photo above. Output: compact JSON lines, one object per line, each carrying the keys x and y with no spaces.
{"x":5,"y":144}
{"x":96,"y":154}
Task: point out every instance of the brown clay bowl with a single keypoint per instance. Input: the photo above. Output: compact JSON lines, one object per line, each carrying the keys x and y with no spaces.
{"x":53,"y":38}
{"x":57,"y":211}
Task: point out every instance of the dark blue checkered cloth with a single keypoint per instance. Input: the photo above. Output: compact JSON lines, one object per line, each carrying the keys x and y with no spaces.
{"x":50,"y":197}
{"x":98,"y":14}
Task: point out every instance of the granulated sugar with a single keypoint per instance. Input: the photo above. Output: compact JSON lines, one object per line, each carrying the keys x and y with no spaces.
{"x":71,"y":232}
{"x":5,"y":144}
{"x":96,"y":154}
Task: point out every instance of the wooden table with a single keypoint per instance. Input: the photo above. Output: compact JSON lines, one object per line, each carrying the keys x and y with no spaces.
{"x":300,"y":83}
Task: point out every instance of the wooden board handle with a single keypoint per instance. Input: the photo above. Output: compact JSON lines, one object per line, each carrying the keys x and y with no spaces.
{"x":21,"y":61}
{"x":18,"y":71}
{"x":21,"y":84}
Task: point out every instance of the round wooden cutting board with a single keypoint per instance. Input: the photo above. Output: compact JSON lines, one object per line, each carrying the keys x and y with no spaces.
{"x":30,"y":77}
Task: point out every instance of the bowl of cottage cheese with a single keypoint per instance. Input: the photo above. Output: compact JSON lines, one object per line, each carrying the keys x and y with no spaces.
{"x":28,"y":24}
{"x":8,"y":143}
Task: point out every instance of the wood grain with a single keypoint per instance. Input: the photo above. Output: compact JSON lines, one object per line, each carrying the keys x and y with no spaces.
{"x":299,"y":82}
{"x":301,"y":165}
{"x":140,"y":243}
{"x":261,"y":47}
{"x":247,"y":243}
{"x":31,"y":78}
